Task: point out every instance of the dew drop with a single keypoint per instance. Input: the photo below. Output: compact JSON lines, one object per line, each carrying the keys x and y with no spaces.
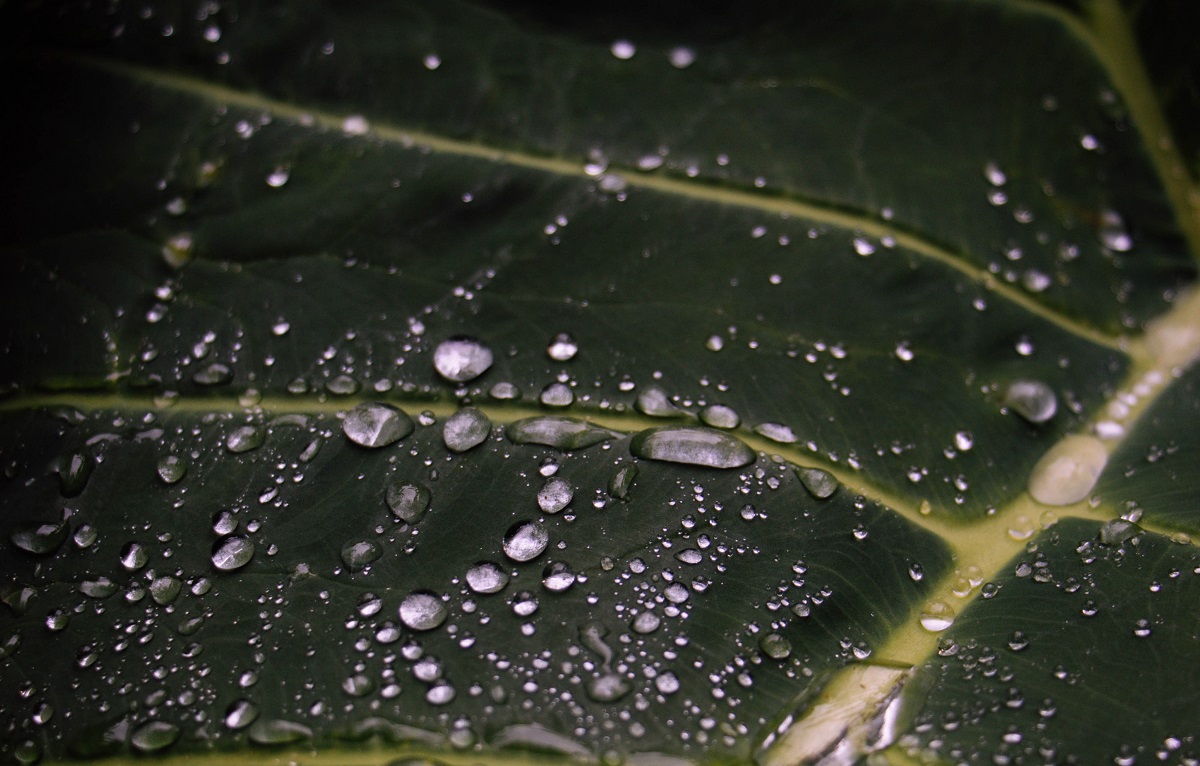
{"x":461,"y":359}
{"x":422,"y":610}
{"x":233,"y":552}
{"x":1066,"y":474}
{"x":557,"y":395}
{"x":240,"y":714}
{"x":555,"y":495}
{"x":74,"y":469}
{"x":245,"y":439}
{"x":691,"y":445}
{"x":819,"y":483}
{"x":608,"y":687}
{"x":525,"y":541}
{"x":646,"y":622}
{"x":171,"y":469}
{"x":623,"y":49}
{"x":39,"y":539}
{"x":375,"y":424}
{"x":154,"y":736}
{"x":654,"y":402}
{"x":1033,"y":400}
{"x":558,"y":432}
{"x":936,"y":616}
{"x":466,"y":429}
{"x":776,"y":432}
{"x":720,"y":416}
{"x":358,"y":554}
{"x":134,"y":556}
{"x":486,"y":577}
{"x":408,"y":501}
{"x":775,"y":646}
{"x":562,"y":348}
{"x":622,"y":481}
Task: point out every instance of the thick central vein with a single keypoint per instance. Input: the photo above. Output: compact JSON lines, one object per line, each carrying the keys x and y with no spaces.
{"x":860,"y":223}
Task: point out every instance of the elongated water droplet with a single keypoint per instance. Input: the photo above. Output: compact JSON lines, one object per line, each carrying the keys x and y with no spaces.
{"x":171,"y":469}
{"x":37,"y":538}
{"x":459,"y":360}
{"x":101,"y":587}
{"x":820,"y":484}
{"x":720,"y":416}
{"x":621,"y":481}
{"x":465,"y":429}
{"x":233,"y":552}
{"x":357,"y":554}
{"x":1033,"y":400}
{"x":245,"y":439}
{"x":693,"y":445}
{"x":486,"y":577}
{"x":1067,"y":472}
{"x":408,"y":500}
{"x":277,"y":732}
{"x":375,"y":424}
{"x":240,"y":714}
{"x":558,"y":432}
{"x":776,"y":432}
{"x":422,"y":610}
{"x":555,"y":495}
{"x":1117,"y":531}
{"x":74,"y":470}
{"x":525,"y":541}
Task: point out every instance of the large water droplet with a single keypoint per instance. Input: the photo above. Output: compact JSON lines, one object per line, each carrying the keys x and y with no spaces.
{"x":240,"y":714}
{"x":164,"y":590}
{"x":171,"y":469}
{"x":653,"y":401}
{"x":936,"y":616}
{"x":555,"y":495}
{"x":357,"y":554}
{"x":558,"y":576}
{"x":153,"y":736}
{"x":525,"y":541}
{"x":1033,"y":400}
{"x":39,"y":539}
{"x":486,"y":577}
{"x":1066,"y":474}
{"x":693,"y":445}
{"x":1117,"y":531}
{"x":820,"y":484}
{"x":422,"y":610}
{"x":74,"y":469}
{"x":244,"y":439}
{"x":278,"y":732}
{"x":720,"y":416}
{"x":233,"y":552}
{"x":465,"y":429}
{"x":776,"y":432}
{"x":407,"y":500}
{"x":375,"y":424}
{"x":134,"y":556}
{"x":558,"y":432}
{"x":461,"y":359}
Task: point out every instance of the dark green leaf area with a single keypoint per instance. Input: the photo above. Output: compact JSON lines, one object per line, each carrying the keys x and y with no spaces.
{"x":1154,"y":470}
{"x":1076,"y":631}
{"x":774,"y":99}
{"x":273,"y":584}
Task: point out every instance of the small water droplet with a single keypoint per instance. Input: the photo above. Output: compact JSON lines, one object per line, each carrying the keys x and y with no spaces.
{"x":776,"y":432}
{"x":819,"y":483}
{"x":408,"y":501}
{"x":646,"y":622}
{"x":525,"y":541}
{"x":557,"y":395}
{"x":622,"y":481}
{"x":720,"y":416}
{"x":358,"y":554}
{"x":466,"y":429}
{"x":524,"y":604}
{"x":74,"y":469}
{"x":680,"y":57}
{"x":1018,"y":641}
{"x":240,"y":714}
{"x":233,"y":552}
{"x":154,"y":736}
{"x":623,"y":49}
{"x":422,"y":610}
{"x":245,"y":439}
{"x":171,"y":469}
{"x":486,"y":577}
{"x":555,"y":495}
{"x":134,"y":556}
{"x":1033,"y":400}
{"x":278,"y":177}
{"x":1117,"y":531}
{"x":562,"y":348}
{"x":164,"y":590}
{"x":461,"y":359}
{"x":691,"y":445}
{"x":375,"y":424}
{"x":654,"y":402}
{"x":608,"y":687}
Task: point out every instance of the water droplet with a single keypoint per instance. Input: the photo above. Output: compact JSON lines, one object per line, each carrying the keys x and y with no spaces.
{"x":461,"y":359}
{"x":558,"y":432}
{"x":775,"y":646}
{"x":903,"y":352}
{"x":963,"y":440}
{"x":555,"y":495}
{"x":667,"y":683}
{"x":358,"y":554}
{"x":654,"y":402}
{"x":562,"y":348}
{"x":342,"y":385}
{"x":622,"y":481}
{"x":215,"y":374}
{"x":245,"y":439}
{"x":690,"y":556}
{"x":819,"y":483}
{"x":646,"y":622}
{"x":558,"y":576}
{"x":504,"y":391}
{"x":356,"y":125}
{"x":233,"y":552}
{"x":486,"y":577}
{"x":623,"y":49}
{"x":994,"y":175}
{"x":407,"y":500}
{"x":375,"y":424}
{"x":357,"y":685}
{"x":692,"y":445}
{"x":681,"y":58}
{"x":440,"y":694}
{"x":278,"y":177}
{"x":171,"y":469}
{"x":422,"y":610}
{"x":1018,"y":641}
{"x":863,"y":246}
{"x":74,"y":469}
{"x":776,"y":432}
{"x":101,"y":587}
{"x":39,"y":539}
{"x":1033,"y":400}
{"x":1112,"y":233}
{"x":240,"y":714}
{"x":164,"y":590}
{"x":153,"y":736}
{"x":676,"y":593}
{"x":608,"y":687}
{"x":936,"y":616}
{"x":134,"y":556}
{"x":1117,"y":531}
{"x":720,"y":416}
{"x":278,"y":732}
{"x":465,"y":429}
{"x":557,"y":395}
{"x":525,"y":541}
{"x":524,"y":604}
{"x":1141,"y":628}
{"x":1066,"y":474}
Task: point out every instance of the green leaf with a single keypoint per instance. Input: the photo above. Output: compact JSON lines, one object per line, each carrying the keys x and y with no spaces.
{"x":465,"y":380}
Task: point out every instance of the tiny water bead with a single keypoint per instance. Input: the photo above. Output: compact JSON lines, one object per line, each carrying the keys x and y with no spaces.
{"x":407,"y":500}
{"x":486,"y":577}
{"x":461,"y":359}
{"x":525,"y":541}
{"x":375,"y":424}
{"x":422,"y":610}
{"x":691,"y":445}
{"x":555,"y":495}
{"x":466,"y":429}
{"x":232,"y":553}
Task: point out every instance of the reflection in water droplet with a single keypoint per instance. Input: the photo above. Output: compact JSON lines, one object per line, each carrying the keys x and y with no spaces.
{"x":245,"y":439}
{"x":358,"y":554}
{"x":486,"y":577}
{"x":558,"y":576}
{"x":936,"y":616}
{"x":171,"y":469}
{"x":74,"y":469}
{"x":692,"y":445}
{"x":1033,"y":400}
{"x":375,"y":424}
{"x":558,"y":432}
{"x":233,"y":552}
{"x":408,"y":501}
{"x":622,"y":481}
{"x":555,"y":495}
{"x":525,"y":540}
{"x":459,"y":360}
{"x":720,"y":416}
{"x":465,"y":429}
{"x":39,"y":539}
{"x":562,"y":348}
{"x":422,"y":610}
{"x":153,"y":736}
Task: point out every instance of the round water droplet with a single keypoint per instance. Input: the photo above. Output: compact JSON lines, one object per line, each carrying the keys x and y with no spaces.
{"x":1018,"y":641}
{"x":134,"y":556}
{"x":422,"y":610}
{"x":557,"y":395}
{"x":459,"y":360}
{"x":558,"y":432}
{"x":154,"y":736}
{"x":375,"y":424}
{"x":562,"y":348}
{"x":692,"y":445}
{"x":465,"y":429}
{"x":646,"y":622}
{"x":233,"y":552}
{"x":524,"y":604}
{"x":164,"y":590}
{"x":486,"y":577}
{"x":720,"y":416}
{"x":357,"y":554}
{"x":74,"y":469}
{"x":936,"y":616}
{"x":244,"y":439}
{"x":776,"y":432}
{"x":1066,"y":474}
{"x":820,"y":484}
{"x":240,"y":714}
{"x":609,"y":687}
{"x":358,"y":685}
{"x":676,"y":593}
{"x":407,"y":500}
{"x":963,"y":440}
{"x":525,"y":541}
{"x":39,"y":539}
{"x":342,"y":385}
{"x":775,"y":646}
{"x":667,"y":683}
{"x":555,"y":495}
{"x":171,"y":469}
{"x":504,"y":391}
{"x":558,"y":576}
{"x":1033,"y":400}
{"x":440,"y":694}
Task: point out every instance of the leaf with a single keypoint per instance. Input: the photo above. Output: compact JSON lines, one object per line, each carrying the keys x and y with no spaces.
{"x":823,"y":305}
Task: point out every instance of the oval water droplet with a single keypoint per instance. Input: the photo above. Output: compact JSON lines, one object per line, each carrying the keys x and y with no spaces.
{"x":558,"y":432}
{"x":608,"y":687}
{"x":655,"y":402}
{"x":1033,"y":400}
{"x":245,"y":439}
{"x":555,"y":495}
{"x":936,"y":616}
{"x":101,"y":587}
{"x":39,"y":539}
{"x":154,"y":736}
{"x":776,"y":432}
{"x":1066,"y":474}
{"x":461,"y":359}
{"x":465,"y":429}
{"x":562,"y":348}
{"x":622,"y":481}
{"x":233,"y":552}
{"x":74,"y":469}
{"x":558,"y":576}
{"x":525,"y":541}
{"x":720,"y":416}
{"x":692,"y":445}
{"x":646,"y":622}
{"x":277,"y":732}
{"x":557,"y":395}
{"x":171,"y":469}
{"x":524,"y":604}
{"x":134,"y":556}
{"x":820,"y":484}
{"x":486,"y":577}
{"x":357,"y":554}
{"x":240,"y":714}
{"x":375,"y":424}
{"x":164,"y":590}
{"x":422,"y":610}
{"x":775,"y":646}
{"x":408,"y":500}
